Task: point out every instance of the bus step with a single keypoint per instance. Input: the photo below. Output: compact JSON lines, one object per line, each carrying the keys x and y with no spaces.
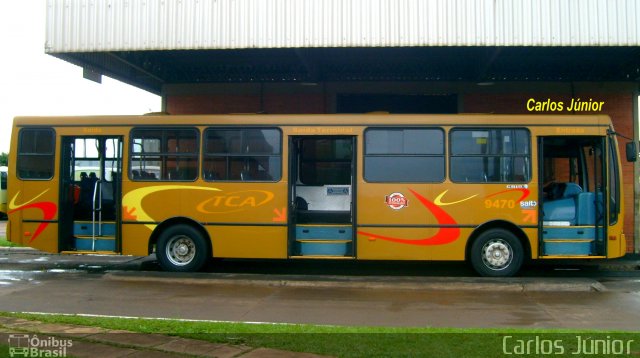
{"x":323,"y":241}
{"x":86,"y":228}
{"x":89,"y":252}
{"x":556,"y":257}
{"x":570,"y":247}
{"x":324,"y":232}
{"x":322,"y":248}
{"x":102,"y":243}
{"x":322,"y":257}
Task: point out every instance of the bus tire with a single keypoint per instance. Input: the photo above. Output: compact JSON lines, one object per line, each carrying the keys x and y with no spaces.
{"x":182,"y":248}
{"x":497,"y":253}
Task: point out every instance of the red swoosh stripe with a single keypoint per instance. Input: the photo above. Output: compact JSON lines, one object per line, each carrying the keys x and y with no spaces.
{"x":444,"y":235}
{"x":525,"y":193}
{"x":48,"y":209}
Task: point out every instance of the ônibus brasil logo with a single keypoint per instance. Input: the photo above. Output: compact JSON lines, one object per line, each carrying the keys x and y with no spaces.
{"x":396,"y":201}
{"x":28,"y":346}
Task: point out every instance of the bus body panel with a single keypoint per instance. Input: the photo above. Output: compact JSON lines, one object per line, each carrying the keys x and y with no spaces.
{"x":397,"y":243}
{"x":232,"y":206}
{"x":204,"y":202}
{"x":33,"y":212}
{"x":246,"y":241}
{"x":137,"y":238}
{"x":462,"y":205}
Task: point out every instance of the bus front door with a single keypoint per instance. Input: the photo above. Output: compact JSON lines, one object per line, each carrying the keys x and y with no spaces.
{"x":90,"y":192}
{"x":573,"y":211}
{"x":321,"y":193}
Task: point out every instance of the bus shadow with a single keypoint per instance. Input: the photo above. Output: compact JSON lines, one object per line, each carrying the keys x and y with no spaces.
{"x":406,"y":268}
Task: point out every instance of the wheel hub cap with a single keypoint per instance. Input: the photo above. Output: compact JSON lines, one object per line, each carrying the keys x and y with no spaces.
{"x":497,"y":254}
{"x":181,"y":250}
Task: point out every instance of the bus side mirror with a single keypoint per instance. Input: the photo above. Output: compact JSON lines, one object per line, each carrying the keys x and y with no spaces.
{"x":631,"y":152}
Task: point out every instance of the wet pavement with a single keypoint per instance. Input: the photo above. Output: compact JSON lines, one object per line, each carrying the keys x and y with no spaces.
{"x":589,"y":295}
{"x":250,"y":291}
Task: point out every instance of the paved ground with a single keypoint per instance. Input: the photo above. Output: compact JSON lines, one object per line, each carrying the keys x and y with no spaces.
{"x":31,"y":281}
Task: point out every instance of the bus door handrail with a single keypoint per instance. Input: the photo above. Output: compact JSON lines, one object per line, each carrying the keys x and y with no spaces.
{"x":96,"y":207}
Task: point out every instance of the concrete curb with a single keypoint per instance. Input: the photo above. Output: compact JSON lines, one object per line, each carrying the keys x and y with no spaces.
{"x":18,"y":248}
{"x":369,"y":282}
{"x":631,"y":266}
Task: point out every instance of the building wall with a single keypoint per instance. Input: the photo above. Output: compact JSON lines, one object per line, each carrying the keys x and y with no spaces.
{"x":618,"y":104}
{"x":250,"y":103}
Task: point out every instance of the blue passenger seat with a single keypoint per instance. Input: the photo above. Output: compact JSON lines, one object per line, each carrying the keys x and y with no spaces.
{"x":563,"y":206}
{"x":585,"y":209}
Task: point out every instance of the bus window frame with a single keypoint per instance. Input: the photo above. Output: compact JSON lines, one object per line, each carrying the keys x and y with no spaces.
{"x":162,"y":153}
{"x":52,"y":154}
{"x":529,"y":155}
{"x":205,"y":155}
{"x":443,"y":155}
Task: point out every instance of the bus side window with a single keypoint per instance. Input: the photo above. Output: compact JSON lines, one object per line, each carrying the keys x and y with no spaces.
{"x":36,"y":153}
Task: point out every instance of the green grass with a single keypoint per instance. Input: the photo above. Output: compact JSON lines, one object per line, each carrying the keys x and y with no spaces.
{"x":344,"y":341}
{"x":5,"y":243}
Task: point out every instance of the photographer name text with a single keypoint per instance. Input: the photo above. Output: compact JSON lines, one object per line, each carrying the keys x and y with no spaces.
{"x":580,"y":345}
{"x":576,"y":105}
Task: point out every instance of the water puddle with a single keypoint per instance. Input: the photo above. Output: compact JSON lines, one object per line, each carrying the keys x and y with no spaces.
{"x":12,"y":277}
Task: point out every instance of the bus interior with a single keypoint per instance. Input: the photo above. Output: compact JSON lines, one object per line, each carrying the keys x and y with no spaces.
{"x":90,"y":192}
{"x":573,"y":206}
{"x":322,"y":210}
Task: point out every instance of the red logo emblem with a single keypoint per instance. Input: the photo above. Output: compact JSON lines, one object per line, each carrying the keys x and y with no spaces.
{"x":396,"y":201}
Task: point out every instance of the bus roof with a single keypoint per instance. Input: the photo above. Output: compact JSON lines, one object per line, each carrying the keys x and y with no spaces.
{"x":321,"y":120}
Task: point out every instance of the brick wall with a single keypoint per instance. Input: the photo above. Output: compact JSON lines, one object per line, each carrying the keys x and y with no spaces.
{"x":221,"y":104}
{"x":618,"y":106}
{"x":213,"y":104}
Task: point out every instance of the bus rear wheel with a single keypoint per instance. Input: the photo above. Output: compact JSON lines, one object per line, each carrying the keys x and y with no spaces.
{"x":182,"y":248}
{"x":497,"y":253}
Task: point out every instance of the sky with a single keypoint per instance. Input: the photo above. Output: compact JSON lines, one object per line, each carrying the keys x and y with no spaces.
{"x":34,"y":83}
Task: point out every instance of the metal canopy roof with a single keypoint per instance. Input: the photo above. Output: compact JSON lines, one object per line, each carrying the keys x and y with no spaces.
{"x":137,"y":25}
{"x":149,"y":43}
{"x":152,"y":69}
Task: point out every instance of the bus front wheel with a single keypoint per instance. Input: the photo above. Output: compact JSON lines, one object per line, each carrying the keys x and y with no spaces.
{"x":182,"y":248}
{"x":497,"y":253}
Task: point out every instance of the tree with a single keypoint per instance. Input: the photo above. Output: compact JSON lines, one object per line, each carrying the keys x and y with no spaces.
{"x":4,"y":158}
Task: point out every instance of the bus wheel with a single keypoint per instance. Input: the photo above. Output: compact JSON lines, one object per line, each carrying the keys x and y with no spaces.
{"x":497,"y":253}
{"x":182,"y":248}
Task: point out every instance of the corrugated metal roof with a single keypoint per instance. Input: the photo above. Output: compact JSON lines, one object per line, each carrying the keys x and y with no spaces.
{"x":114,"y":25}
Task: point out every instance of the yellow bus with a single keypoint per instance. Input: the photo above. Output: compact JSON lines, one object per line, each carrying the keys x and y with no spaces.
{"x":3,"y":191}
{"x":495,"y":190}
